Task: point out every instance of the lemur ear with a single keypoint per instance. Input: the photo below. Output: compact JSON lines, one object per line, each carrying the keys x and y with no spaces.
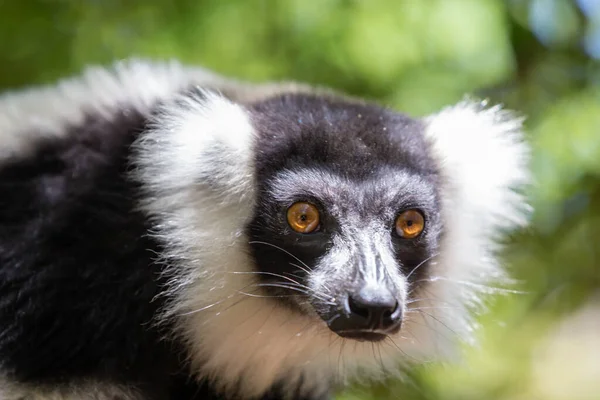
{"x":199,"y":141}
{"x":195,"y":165}
{"x":484,"y":158}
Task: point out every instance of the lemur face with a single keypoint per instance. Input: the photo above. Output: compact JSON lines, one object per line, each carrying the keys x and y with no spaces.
{"x":348,"y":211}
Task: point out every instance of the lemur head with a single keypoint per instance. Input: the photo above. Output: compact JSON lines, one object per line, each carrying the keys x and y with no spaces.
{"x":310,"y":237}
{"x":347,"y":211}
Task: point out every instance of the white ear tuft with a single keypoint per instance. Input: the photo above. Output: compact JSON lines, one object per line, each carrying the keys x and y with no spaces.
{"x":484,"y":162}
{"x":199,"y":145}
{"x":484,"y":158}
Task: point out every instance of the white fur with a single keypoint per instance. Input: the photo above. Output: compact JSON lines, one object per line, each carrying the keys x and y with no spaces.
{"x":483,"y":157}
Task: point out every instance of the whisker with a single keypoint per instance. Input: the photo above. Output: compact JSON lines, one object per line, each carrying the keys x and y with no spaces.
{"x":296,"y":284}
{"x":491,"y":289}
{"x":380,"y":357}
{"x":284,"y":286}
{"x":400,"y":349}
{"x":267,"y":273}
{"x":282,"y":249}
{"x":432,"y":308}
{"x":427,"y":325}
{"x":295,"y":275}
{"x":421,"y":263}
{"x":411,"y":301}
{"x":336,"y":316}
{"x":308,"y":289}
{"x":208,"y":306}
{"x":201,"y":309}
{"x":257,"y":331}
{"x":308,"y":272}
{"x":340,"y":357}
{"x":300,"y":267}
{"x":266,"y":296}
{"x":438,"y":320}
{"x":230,"y":296}
{"x":298,"y":289}
{"x":373,"y":350}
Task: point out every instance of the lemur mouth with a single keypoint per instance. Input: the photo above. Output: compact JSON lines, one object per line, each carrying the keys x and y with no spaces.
{"x":363,"y":336}
{"x":367,"y":335}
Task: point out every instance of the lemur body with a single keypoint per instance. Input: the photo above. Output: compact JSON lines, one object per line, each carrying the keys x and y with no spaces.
{"x":168,"y":233}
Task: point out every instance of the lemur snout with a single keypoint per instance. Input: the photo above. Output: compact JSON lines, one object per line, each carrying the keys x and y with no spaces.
{"x":369,"y":313}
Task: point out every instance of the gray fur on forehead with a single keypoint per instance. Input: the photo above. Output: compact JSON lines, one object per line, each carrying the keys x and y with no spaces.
{"x":385,"y":193}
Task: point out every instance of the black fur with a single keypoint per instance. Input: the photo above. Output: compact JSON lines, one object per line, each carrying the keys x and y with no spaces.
{"x":350,"y":138}
{"x":76,"y":273}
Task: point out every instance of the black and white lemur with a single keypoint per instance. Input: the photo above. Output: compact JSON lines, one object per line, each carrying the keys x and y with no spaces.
{"x":166,"y":233}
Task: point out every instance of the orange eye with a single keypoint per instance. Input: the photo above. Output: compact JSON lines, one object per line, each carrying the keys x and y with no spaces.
{"x":410,"y":224}
{"x":303,"y":217}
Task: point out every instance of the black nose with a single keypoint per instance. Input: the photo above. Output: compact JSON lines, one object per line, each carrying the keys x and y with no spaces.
{"x":370,"y":314}
{"x":374,"y":308}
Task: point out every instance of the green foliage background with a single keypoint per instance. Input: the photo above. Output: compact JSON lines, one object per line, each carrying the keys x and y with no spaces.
{"x":535,"y":56}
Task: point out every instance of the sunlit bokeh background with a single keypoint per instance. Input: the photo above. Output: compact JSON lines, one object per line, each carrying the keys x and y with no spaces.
{"x":540,"y":57}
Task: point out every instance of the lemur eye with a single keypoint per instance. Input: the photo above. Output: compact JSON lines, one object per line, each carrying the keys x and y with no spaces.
{"x":410,"y":224}
{"x":303,"y":217}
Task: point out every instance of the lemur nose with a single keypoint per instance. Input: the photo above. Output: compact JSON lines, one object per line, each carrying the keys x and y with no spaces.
{"x":370,"y":313}
{"x":374,"y":308}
